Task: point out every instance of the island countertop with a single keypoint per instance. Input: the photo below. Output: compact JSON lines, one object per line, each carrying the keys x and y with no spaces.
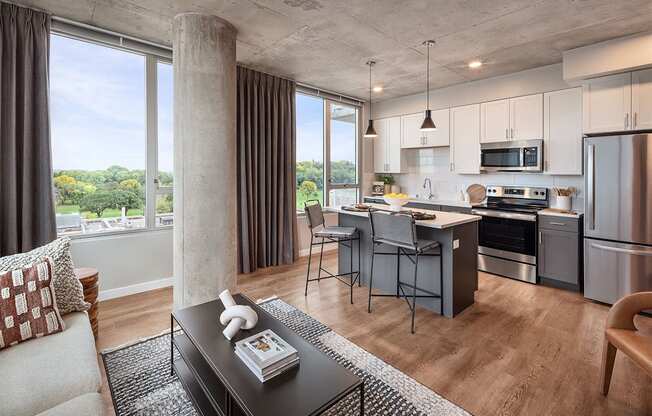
{"x":443,"y":219}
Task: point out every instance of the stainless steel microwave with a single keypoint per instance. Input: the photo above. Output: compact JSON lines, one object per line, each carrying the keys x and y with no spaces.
{"x":512,"y":156}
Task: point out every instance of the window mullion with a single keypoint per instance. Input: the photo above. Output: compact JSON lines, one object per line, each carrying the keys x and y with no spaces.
{"x":151,"y":172}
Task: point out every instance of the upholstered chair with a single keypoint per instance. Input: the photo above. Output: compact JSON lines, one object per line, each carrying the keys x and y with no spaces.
{"x":621,"y":334}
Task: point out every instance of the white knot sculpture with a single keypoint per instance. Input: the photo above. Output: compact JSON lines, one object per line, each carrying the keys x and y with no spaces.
{"x":235,"y":317}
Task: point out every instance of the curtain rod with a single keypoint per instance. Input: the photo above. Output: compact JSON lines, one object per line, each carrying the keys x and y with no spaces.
{"x":168,"y":48}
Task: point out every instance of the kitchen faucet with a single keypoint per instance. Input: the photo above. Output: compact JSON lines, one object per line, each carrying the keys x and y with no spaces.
{"x":429,"y":183}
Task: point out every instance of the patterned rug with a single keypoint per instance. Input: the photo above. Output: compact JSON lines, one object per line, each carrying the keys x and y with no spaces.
{"x":141,"y":384}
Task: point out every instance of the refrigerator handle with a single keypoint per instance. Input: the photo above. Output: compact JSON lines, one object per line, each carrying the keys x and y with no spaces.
{"x":590,"y":186}
{"x":623,"y":250}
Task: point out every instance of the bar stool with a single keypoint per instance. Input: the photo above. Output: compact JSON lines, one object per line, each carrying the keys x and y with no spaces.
{"x":331,"y":234}
{"x":399,"y":230}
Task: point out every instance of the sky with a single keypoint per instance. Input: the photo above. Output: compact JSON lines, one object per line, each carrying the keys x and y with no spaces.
{"x":310,"y":132}
{"x":98,"y":107}
{"x":98,"y":111}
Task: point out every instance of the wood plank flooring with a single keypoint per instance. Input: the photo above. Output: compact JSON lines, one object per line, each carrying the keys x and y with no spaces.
{"x":520,"y":350}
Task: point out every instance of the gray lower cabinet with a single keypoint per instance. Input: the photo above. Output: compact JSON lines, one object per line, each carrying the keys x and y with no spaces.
{"x":559,"y":253}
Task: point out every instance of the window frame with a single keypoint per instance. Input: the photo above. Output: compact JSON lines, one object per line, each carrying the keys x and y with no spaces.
{"x":152,"y":58}
{"x":328,"y":184}
{"x":329,"y":100}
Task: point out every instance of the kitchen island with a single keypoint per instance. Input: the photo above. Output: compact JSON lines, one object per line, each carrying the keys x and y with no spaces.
{"x":456,"y":233}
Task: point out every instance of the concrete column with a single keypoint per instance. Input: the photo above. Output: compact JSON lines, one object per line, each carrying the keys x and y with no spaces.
{"x":204,"y":158}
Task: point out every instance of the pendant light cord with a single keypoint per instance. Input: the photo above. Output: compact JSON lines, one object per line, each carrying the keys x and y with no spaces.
{"x":428,"y":79}
{"x":370,"y":65}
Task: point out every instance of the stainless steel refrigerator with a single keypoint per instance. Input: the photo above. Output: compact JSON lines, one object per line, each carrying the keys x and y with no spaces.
{"x":617,"y":215}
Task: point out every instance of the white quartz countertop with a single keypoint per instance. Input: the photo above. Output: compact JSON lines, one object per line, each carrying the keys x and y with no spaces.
{"x":443,"y":220}
{"x":553,"y":213}
{"x":448,"y":203}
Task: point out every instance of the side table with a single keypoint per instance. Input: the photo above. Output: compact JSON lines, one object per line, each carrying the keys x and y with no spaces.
{"x":89,"y":277}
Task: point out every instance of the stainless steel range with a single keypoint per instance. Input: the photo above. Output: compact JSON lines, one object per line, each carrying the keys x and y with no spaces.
{"x":508,"y":231}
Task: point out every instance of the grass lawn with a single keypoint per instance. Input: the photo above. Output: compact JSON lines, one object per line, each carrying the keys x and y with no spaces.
{"x":109,"y":213}
{"x":301,"y":198}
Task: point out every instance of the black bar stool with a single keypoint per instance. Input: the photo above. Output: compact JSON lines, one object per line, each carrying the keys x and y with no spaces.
{"x":330,"y":234}
{"x":399,"y":230}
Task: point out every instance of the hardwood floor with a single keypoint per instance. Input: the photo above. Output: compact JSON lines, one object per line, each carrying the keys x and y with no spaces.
{"x":520,"y":350}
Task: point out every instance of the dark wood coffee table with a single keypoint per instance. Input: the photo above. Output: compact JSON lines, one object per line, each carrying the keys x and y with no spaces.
{"x":218,"y":383}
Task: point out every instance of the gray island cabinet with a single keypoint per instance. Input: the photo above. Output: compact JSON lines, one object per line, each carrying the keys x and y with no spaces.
{"x":458,"y":235}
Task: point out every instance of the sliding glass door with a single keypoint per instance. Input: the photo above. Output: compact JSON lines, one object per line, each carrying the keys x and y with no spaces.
{"x":327,"y":151}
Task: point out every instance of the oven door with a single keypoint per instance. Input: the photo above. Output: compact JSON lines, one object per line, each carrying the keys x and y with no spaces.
{"x":508,"y":235}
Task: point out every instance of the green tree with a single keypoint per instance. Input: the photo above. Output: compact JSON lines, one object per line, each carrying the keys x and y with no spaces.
{"x":127,"y":199}
{"x":79,"y":191}
{"x":97,"y":202}
{"x":130,"y":185}
{"x":164,"y":205}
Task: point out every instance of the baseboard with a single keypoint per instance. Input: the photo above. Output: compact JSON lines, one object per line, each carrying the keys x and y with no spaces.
{"x":133,"y":289}
{"x":327,"y":247}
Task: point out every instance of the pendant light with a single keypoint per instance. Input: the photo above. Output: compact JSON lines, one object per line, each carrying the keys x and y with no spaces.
{"x":428,"y":124}
{"x":371,"y":132}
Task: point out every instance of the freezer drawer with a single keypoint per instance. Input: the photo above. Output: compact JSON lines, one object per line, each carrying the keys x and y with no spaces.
{"x":613,"y":270}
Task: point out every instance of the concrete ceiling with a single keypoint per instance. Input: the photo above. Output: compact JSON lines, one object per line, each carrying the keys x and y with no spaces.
{"x":326,"y":43}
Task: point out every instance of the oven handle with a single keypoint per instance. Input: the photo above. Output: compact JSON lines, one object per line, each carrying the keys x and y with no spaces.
{"x":507,"y":215}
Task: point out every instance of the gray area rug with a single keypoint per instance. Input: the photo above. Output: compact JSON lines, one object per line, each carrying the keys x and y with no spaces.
{"x":141,"y":384}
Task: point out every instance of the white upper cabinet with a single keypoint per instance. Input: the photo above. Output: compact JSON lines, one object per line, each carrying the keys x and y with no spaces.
{"x":526,"y":117}
{"x":465,"y":139}
{"x":387,"y":145}
{"x":642,"y":99}
{"x":441,"y":136}
{"x":394,"y":154}
{"x":494,"y":116}
{"x":413,"y":137}
{"x":562,"y":132}
{"x":380,"y":145}
{"x":519,"y":118}
{"x":607,"y":103}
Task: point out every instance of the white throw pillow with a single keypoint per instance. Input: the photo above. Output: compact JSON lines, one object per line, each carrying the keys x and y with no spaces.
{"x":67,"y":288}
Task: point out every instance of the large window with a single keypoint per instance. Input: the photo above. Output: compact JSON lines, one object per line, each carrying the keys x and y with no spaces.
{"x":102,"y":148}
{"x":327,"y":151}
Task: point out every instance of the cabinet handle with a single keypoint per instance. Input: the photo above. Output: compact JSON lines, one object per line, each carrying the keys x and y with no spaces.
{"x":540,"y":240}
{"x":511,"y":131}
{"x":557,"y":223}
{"x":635,"y":119}
{"x":507,"y":133}
{"x":627,"y":120}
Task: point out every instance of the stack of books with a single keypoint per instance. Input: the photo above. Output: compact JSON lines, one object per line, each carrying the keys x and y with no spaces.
{"x":266,"y":354}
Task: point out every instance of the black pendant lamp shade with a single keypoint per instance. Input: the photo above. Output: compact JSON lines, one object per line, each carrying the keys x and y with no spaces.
{"x":371,"y":132}
{"x":428,"y":124}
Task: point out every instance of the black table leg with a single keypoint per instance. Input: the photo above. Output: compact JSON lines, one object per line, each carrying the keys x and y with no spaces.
{"x":362,"y":399}
{"x":171,"y":345}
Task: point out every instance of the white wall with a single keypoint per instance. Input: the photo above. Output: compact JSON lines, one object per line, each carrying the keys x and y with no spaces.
{"x":434,"y":162}
{"x":127,"y":263}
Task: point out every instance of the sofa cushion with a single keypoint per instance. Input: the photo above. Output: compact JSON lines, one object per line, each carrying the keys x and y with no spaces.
{"x":45,"y":372}
{"x":90,"y":404}
{"x":28,"y":306}
{"x":69,"y":291}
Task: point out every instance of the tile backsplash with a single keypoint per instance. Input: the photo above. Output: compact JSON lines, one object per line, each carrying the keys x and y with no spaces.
{"x":446,"y":185}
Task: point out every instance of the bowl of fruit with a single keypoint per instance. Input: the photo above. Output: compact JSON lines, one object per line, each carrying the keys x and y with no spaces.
{"x":396,"y":201}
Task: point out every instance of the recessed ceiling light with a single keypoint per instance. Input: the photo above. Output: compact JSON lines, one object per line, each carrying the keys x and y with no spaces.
{"x":378,"y":88}
{"x":475,"y":64}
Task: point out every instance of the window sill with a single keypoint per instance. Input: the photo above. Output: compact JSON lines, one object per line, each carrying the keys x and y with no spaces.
{"x":118,"y":233}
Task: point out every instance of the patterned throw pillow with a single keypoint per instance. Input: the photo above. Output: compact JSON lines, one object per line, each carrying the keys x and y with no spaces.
{"x":28,"y":305}
{"x":68,"y":289}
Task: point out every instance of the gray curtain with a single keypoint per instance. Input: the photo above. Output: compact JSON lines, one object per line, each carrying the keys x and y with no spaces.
{"x":267,"y":230}
{"x":27,"y":217}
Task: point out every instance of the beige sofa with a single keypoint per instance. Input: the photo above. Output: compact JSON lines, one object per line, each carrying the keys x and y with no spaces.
{"x":55,"y":375}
